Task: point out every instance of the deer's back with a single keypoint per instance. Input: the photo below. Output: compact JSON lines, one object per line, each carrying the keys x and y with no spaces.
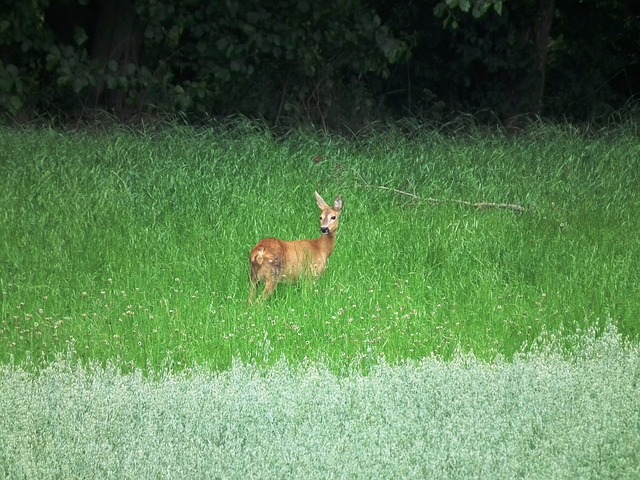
{"x":280,"y":259}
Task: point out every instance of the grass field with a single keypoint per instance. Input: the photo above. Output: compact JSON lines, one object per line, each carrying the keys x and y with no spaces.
{"x":444,"y":341}
{"x":129,"y":246}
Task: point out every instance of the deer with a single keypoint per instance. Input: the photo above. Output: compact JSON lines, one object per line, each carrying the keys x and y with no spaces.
{"x":274,"y":261}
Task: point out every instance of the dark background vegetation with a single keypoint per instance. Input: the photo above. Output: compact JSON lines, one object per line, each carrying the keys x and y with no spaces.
{"x":335,"y":65}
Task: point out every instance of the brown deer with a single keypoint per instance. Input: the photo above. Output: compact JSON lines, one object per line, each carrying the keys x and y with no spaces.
{"x":274,"y":261}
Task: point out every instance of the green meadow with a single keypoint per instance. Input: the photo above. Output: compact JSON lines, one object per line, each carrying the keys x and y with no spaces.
{"x":134,"y":247}
{"x":483,"y":297}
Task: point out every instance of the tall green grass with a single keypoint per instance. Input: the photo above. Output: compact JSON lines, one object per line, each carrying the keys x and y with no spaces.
{"x":132,"y":246}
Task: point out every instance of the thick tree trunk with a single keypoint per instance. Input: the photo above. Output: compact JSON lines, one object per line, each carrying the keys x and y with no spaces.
{"x":543,"y":29}
{"x":115,"y":40}
{"x":527,"y":94}
{"x":112,"y":37}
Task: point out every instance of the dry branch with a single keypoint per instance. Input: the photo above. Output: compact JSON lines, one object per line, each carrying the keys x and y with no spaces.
{"x":479,"y":205}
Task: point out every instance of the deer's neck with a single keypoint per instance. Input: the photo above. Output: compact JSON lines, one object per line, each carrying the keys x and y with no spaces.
{"x":327,"y":242}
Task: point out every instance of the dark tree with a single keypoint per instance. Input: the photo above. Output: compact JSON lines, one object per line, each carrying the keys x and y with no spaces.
{"x":110,"y":33}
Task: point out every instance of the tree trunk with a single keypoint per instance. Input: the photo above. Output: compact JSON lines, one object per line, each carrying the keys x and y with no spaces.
{"x":527,"y":95}
{"x":115,"y":40}
{"x":544,"y":21}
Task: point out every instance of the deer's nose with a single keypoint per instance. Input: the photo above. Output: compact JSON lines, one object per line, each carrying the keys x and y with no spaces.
{"x":324,"y":230}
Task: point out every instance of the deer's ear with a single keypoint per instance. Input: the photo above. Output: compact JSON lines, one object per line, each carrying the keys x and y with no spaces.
{"x":337,"y":204}
{"x":321,"y":203}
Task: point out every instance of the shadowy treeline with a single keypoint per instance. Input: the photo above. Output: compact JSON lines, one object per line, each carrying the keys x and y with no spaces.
{"x":334,"y":65}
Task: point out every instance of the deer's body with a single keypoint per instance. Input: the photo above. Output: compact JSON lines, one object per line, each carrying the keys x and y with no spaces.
{"x":274,"y":261}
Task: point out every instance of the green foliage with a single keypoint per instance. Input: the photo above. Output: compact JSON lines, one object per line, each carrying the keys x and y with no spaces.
{"x":287,"y":58}
{"x":23,"y":41}
{"x":482,"y":62}
{"x":596,"y":71}
{"x":447,"y":9}
{"x":11,"y":89}
{"x":294,"y":61}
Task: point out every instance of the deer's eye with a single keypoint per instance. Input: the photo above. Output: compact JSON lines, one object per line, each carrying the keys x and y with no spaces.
{"x":333,"y":217}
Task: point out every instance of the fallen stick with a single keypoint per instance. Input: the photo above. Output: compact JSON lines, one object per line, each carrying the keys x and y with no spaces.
{"x":479,"y":205}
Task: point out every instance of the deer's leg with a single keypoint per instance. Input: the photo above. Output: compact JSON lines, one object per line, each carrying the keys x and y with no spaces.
{"x":252,"y":289}
{"x":269,"y":287}
{"x":254,"y":280}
